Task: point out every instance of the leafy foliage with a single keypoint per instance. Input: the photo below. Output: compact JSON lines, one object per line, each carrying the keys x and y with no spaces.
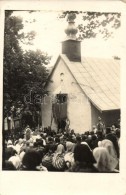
{"x":35,"y":74}
{"x":94,"y":23}
{"x":22,"y":71}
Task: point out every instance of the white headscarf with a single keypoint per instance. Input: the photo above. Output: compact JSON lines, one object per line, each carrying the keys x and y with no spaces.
{"x":109,"y":146}
{"x":85,"y":143}
{"x":69,"y":155}
{"x":104,"y":162}
{"x":10,"y":144}
{"x":60,"y":149}
{"x":111,"y":150}
{"x":19,"y":145}
{"x":16,"y":161}
{"x":21,"y":155}
{"x":69,"y":146}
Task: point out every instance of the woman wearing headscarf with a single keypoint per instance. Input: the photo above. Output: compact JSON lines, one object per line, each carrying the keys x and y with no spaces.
{"x":111,"y":150}
{"x":58,"y":158}
{"x":10,"y":144}
{"x":69,"y":155}
{"x":19,"y":145}
{"x":60,"y":149}
{"x":9,"y":152}
{"x":16,"y":161}
{"x":31,"y":161}
{"x":104,"y":162}
{"x":84,"y":160}
{"x":69,"y":147}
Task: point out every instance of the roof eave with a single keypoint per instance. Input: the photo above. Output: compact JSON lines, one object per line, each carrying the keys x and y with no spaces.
{"x":54,"y":67}
{"x":116,"y":109}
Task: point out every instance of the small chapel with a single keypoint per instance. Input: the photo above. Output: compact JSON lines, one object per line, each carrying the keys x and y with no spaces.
{"x":81,"y":89}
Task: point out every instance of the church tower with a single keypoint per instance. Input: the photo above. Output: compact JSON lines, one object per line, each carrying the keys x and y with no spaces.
{"x":71,"y":46}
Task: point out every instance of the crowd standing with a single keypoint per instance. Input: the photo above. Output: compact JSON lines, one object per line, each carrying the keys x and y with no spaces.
{"x":63,"y":151}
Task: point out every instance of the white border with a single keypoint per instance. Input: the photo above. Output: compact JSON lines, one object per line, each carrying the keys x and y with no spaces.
{"x":67,"y":183}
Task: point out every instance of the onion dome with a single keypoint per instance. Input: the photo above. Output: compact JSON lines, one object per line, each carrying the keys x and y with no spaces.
{"x":71,"y":29}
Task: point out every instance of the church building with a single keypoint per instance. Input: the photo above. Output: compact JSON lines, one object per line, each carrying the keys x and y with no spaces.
{"x":81,"y":89}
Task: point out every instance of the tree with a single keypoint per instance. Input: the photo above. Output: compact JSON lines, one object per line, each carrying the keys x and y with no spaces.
{"x":94,"y":23}
{"x":35,"y":74}
{"x":12,"y":55}
{"x":22,"y":71}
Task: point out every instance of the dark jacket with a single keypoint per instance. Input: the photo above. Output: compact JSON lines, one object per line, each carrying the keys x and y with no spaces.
{"x":83,"y":167}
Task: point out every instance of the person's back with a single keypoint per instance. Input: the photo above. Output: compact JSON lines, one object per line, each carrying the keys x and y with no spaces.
{"x":94,"y":142}
{"x":104,"y":161}
{"x":84,"y":160}
{"x":31,"y":160}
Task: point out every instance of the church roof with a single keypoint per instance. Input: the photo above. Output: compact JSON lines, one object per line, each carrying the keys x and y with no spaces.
{"x":99,"y":79}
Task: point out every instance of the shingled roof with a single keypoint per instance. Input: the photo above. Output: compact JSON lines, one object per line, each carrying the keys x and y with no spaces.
{"x":99,"y":79}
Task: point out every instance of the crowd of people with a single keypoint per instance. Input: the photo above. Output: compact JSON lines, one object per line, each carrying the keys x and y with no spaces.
{"x":63,"y":151}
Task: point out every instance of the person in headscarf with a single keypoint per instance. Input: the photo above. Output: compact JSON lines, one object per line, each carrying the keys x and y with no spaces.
{"x":27,"y":133}
{"x":48,"y":157}
{"x":16,"y":161}
{"x":58,"y":158}
{"x":109,"y":146}
{"x":84,"y":160}
{"x":19,"y":145}
{"x":104,"y":162}
{"x":9,"y":152}
{"x":10,"y":144}
{"x":69,"y":146}
{"x":31,"y":160}
{"x":84,"y":142}
{"x":69,"y":155}
{"x":21,"y":155}
{"x":60,"y":149}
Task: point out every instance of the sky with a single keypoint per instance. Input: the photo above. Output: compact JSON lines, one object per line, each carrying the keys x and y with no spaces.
{"x":50,"y":34}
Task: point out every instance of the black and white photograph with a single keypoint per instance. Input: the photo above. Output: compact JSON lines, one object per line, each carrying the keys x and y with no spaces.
{"x":61,"y":107}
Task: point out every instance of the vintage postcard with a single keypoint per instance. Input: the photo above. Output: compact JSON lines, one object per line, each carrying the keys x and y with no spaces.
{"x":63,"y":97}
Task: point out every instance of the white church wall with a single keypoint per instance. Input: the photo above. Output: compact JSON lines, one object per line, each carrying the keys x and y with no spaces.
{"x":78,"y":109}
